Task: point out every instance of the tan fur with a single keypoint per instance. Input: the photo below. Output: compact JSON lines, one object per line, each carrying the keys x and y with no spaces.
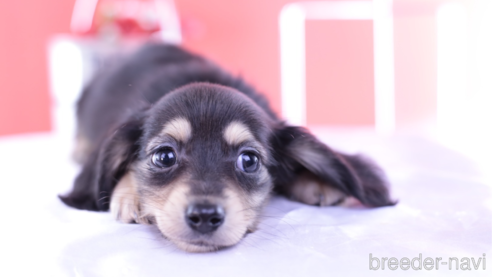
{"x":168,"y":205}
{"x":310,"y":190}
{"x":236,"y":133}
{"x":125,"y":201}
{"x":178,"y":128}
{"x":238,"y":219}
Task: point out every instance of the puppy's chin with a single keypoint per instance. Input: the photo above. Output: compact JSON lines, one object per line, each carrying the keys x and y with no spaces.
{"x":190,"y":241}
{"x":206,"y":243}
{"x":200,"y":246}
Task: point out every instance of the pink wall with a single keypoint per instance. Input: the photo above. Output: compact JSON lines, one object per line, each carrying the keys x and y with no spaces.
{"x":240,"y":35}
{"x":25,"y":26}
{"x":243,"y":37}
{"x":415,"y":33}
{"x":339,"y":72}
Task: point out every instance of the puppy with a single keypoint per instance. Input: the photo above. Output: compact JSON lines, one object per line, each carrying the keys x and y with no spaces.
{"x":168,"y":138}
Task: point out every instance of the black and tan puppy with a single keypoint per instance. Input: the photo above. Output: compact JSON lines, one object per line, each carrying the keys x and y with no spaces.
{"x":170,"y":139}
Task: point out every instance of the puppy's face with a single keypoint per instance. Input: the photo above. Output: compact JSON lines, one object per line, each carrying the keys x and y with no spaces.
{"x":201,"y":162}
{"x":202,"y":171}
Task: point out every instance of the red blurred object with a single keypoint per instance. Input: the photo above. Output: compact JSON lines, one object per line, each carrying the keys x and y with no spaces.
{"x":101,"y":19}
{"x":129,"y":26}
{"x":128,"y":17}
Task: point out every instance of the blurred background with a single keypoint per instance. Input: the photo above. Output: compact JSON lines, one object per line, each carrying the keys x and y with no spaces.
{"x":420,"y":67}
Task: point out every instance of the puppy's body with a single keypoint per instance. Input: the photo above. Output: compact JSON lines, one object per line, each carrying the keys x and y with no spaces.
{"x":168,"y":138}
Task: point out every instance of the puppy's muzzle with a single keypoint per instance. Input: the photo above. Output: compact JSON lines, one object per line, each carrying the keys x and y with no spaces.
{"x":204,"y":218}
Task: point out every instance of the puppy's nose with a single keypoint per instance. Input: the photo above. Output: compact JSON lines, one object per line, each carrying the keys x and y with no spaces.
{"x":204,"y":218}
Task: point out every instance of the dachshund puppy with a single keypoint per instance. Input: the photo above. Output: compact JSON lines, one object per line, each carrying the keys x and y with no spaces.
{"x":168,"y":138}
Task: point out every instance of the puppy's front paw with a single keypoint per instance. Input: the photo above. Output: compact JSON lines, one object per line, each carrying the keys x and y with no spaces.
{"x":124,"y":207}
{"x":125,"y":204}
{"x":310,"y":190}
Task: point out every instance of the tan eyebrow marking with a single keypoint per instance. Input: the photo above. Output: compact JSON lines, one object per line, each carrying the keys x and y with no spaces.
{"x":236,"y":133}
{"x":178,"y":128}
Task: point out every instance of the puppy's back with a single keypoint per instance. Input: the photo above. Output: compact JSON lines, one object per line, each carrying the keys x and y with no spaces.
{"x":133,"y":84}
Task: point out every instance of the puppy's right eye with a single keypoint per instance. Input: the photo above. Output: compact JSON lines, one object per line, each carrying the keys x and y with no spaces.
{"x":164,"y":157}
{"x":247,"y":162}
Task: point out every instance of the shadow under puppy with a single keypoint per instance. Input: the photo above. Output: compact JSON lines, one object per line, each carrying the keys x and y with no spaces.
{"x":168,"y":138}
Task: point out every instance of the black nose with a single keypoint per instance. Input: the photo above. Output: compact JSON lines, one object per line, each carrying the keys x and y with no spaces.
{"x":204,"y":218}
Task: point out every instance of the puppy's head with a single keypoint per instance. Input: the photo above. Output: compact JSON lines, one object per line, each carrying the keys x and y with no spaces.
{"x":202,"y":169}
{"x":201,"y":163}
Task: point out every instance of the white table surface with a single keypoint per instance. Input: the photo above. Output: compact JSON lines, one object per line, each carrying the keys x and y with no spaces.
{"x":445,"y":210}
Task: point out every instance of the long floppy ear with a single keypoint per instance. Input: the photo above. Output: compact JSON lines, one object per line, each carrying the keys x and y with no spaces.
{"x":311,"y":172}
{"x":105,"y":167}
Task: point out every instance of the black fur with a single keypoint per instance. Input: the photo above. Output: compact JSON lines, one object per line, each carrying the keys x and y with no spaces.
{"x":121,"y":109}
{"x":354,"y":175}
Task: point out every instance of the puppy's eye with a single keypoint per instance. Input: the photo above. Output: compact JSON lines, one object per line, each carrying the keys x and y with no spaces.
{"x":247,"y":162}
{"x":164,"y":157}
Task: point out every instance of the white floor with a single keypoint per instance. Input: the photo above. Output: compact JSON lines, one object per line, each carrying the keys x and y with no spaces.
{"x":445,"y":211}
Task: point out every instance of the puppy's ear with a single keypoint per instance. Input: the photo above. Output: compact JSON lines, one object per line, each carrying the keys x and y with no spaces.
{"x":105,"y":167}
{"x":307,"y":169}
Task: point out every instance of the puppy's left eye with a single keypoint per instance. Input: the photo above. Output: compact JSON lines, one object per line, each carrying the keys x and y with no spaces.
{"x":248,"y":162}
{"x":164,"y":157}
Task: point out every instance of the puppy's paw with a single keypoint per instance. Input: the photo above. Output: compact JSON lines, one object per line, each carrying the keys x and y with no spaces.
{"x":125,"y":204}
{"x":124,"y":207}
{"x":310,"y":190}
